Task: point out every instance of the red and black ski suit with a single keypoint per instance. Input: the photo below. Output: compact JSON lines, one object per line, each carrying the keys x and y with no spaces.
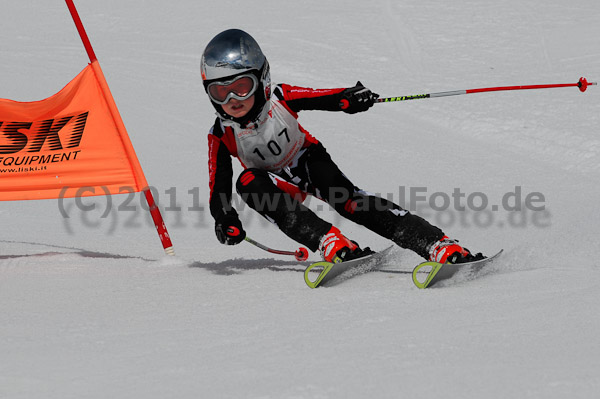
{"x":283,"y":163}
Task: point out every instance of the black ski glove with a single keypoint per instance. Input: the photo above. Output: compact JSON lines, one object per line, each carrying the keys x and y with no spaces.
{"x":228,"y":228}
{"x":357,"y":99}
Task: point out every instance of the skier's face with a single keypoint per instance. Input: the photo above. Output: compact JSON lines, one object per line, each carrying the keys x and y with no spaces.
{"x":238,"y":108}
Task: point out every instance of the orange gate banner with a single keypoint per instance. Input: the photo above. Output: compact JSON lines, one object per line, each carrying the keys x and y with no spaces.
{"x":75,"y":139}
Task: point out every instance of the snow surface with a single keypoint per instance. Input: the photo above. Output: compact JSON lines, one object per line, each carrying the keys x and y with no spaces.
{"x":91,"y":308}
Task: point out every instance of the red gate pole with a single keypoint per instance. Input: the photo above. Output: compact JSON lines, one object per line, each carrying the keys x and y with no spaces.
{"x":81,"y":30}
{"x":157,"y":218}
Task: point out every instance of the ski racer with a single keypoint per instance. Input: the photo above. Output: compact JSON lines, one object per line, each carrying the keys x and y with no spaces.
{"x":283,"y":163}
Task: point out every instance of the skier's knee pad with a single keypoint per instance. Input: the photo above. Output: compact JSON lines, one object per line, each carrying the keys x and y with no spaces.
{"x":253,"y":180}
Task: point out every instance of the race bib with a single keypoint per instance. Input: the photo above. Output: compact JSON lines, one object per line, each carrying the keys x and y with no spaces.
{"x":272,"y":144}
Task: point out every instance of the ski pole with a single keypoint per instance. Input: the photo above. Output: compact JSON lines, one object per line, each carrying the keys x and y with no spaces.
{"x":301,"y":253}
{"x":582,"y":84}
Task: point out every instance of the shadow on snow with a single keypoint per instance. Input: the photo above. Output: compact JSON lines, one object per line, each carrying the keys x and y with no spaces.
{"x":239,"y":265}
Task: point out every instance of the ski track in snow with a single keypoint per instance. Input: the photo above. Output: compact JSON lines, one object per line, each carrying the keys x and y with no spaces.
{"x":89,"y":306}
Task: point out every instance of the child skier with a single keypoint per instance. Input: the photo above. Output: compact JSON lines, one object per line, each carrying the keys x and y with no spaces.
{"x":283,"y":162}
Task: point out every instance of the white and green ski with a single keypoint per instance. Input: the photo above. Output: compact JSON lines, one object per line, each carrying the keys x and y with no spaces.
{"x":436,"y":272}
{"x":336,"y":272}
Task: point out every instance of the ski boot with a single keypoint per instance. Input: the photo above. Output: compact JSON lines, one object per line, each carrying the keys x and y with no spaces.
{"x":447,"y":250}
{"x":336,"y":248}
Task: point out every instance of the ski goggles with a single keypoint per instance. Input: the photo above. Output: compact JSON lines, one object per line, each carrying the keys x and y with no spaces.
{"x":240,"y":88}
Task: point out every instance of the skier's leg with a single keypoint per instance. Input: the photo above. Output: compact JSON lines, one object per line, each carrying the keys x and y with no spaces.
{"x":377,"y":214}
{"x":265,"y":193}
{"x":390,"y":221}
{"x":280,"y":202}
{"x":404,"y":228}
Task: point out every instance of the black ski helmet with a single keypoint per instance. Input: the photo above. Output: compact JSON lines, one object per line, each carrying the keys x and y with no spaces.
{"x":232,"y":53}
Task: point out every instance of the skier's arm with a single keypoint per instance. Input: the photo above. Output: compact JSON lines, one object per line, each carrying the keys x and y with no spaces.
{"x":350,"y":100}
{"x":228,"y":227}
{"x":220,"y":173}
{"x":305,"y":98}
